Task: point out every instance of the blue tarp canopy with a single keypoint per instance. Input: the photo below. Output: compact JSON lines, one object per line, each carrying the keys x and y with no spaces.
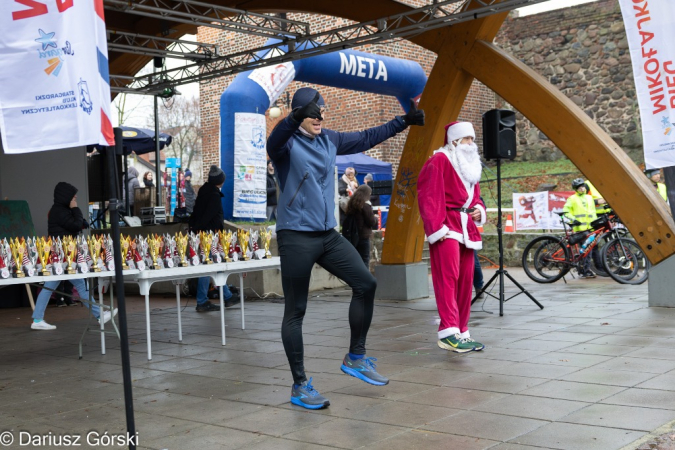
{"x":139,"y":140}
{"x":364,"y":164}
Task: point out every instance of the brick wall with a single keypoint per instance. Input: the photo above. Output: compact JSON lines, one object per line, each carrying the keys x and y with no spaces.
{"x":347,"y":110}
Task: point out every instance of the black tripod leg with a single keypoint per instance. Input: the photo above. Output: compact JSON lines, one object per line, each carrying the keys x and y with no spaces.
{"x":524,"y":290}
{"x":485,"y":287}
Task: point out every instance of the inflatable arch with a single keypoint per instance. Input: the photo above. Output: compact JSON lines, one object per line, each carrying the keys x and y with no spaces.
{"x":255,"y":91}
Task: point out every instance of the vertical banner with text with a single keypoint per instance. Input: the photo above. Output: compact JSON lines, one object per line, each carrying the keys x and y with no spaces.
{"x":250,"y":166}
{"x":54,"y":80}
{"x":650,"y":29}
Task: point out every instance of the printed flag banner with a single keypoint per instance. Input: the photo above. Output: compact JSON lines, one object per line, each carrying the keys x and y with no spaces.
{"x":530,"y":210}
{"x":250,"y":166}
{"x":537,"y":210}
{"x":54,"y":81}
{"x":650,"y":29}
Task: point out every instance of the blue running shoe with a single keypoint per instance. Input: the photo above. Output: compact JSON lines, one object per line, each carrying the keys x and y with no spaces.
{"x":363,"y":369}
{"x":306,"y":396}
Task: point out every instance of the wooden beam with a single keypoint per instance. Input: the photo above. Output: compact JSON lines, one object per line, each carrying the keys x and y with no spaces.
{"x":582,"y":140}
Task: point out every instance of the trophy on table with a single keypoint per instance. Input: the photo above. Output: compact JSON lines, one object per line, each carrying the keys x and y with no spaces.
{"x":154,"y":249}
{"x":266,"y":237}
{"x":193,"y":250}
{"x":243,"y":243}
{"x":169,"y":250}
{"x":83,"y":257}
{"x":253,"y":243}
{"x":32,"y":254}
{"x":58,"y":256}
{"x":215,"y":248}
{"x":206,"y":240}
{"x":44,"y":248}
{"x":139,"y":249}
{"x":94,"y":246}
{"x":109,"y":253}
{"x":225,"y":237}
{"x":70,"y":250}
{"x":181,"y":248}
{"x":124,"y":247}
{"x":5,"y":259}
{"x":18,"y":249}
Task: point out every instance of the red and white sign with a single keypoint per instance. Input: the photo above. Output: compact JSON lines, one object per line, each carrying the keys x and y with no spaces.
{"x":537,"y":210}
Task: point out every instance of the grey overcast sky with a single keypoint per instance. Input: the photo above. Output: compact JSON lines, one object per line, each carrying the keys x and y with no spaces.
{"x":549,"y":5}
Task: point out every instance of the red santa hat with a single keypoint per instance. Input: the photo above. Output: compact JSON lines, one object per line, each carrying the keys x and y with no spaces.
{"x":458,"y":130}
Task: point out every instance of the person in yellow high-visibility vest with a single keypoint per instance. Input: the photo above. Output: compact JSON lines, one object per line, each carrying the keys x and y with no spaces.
{"x":601,"y":206}
{"x":654,"y":176}
{"x":580,"y":210}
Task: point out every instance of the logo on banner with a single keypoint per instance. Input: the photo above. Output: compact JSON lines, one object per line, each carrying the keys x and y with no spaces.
{"x":246,"y":173}
{"x":252,"y":197}
{"x":258,"y":137}
{"x":85,"y":100}
{"x":50,"y":51}
{"x":666,"y":125}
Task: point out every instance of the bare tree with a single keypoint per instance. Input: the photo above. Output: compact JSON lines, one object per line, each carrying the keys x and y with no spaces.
{"x":179,"y":117}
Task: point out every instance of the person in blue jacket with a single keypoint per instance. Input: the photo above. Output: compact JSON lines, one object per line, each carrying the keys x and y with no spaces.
{"x":303,"y":154}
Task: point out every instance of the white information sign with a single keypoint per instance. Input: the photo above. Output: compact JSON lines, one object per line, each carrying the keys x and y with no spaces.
{"x":250,"y":166}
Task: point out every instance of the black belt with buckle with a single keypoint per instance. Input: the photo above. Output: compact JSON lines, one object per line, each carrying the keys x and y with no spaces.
{"x":464,"y":210}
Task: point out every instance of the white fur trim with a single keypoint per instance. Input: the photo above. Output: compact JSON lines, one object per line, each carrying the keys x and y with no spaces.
{"x":460,"y":130}
{"x":448,"y":332}
{"x":473,"y":245}
{"x":483,"y":216}
{"x":465,"y":335}
{"x":438,"y":234}
{"x":456,"y":236}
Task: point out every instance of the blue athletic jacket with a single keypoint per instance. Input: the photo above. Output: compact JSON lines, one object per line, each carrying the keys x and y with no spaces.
{"x":306,"y":168}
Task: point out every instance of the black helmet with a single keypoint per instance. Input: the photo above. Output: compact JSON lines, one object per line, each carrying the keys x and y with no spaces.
{"x":651,"y":172}
{"x":577,"y":183}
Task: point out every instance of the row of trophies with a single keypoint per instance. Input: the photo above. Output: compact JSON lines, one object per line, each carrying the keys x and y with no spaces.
{"x":20,"y":257}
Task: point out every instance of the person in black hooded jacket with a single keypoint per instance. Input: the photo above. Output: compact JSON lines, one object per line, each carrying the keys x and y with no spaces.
{"x":208,"y":216}
{"x":64,"y":219}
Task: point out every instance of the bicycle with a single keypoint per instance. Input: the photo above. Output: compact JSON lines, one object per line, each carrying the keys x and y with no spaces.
{"x":625,"y":261}
{"x":552,"y":257}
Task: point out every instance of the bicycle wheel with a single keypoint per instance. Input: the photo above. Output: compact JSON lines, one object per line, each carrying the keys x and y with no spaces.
{"x":625,"y":261}
{"x":548,"y":257}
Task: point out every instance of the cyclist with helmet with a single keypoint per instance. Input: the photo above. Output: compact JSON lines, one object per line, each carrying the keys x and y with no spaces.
{"x":601,"y":206}
{"x":580,"y":210}
{"x":654,"y":176}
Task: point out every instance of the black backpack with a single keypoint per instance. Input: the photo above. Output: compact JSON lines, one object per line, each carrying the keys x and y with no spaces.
{"x":350,"y":229}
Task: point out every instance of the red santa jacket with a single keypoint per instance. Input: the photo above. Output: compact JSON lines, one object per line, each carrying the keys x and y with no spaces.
{"x":439,"y":189}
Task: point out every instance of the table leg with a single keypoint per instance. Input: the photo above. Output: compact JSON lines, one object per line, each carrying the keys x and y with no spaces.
{"x":100,"y":313}
{"x":147,"y":324}
{"x":241,"y":300}
{"x":30,"y":297}
{"x":180,"y":325}
{"x":112,"y":308}
{"x":222,"y":313}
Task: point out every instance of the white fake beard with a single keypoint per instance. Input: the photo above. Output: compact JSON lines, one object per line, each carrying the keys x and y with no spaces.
{"x":466,"y":160}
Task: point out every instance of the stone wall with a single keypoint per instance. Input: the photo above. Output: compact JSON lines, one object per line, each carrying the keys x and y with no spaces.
{"x":583,"y":51}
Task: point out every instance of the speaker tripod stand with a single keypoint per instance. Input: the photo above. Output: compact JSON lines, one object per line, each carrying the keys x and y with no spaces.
{"x":500,"y":273}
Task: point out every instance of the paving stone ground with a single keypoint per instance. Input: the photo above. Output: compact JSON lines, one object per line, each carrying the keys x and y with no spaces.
{"x":595,"y":369}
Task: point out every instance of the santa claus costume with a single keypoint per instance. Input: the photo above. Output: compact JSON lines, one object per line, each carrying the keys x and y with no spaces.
{"x":448,"y":194}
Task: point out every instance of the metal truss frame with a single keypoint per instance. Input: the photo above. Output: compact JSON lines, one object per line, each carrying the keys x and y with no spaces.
{"x":142,"y":44}
{"x":204,"y":14}
{"x":399,"y":26}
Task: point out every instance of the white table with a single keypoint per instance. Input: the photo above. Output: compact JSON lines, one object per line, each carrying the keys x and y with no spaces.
{"x":90,"y":276}
{"x":218,"y":272}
